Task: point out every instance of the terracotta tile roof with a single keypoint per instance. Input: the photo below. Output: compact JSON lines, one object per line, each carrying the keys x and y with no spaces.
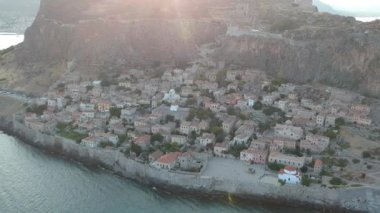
{"x":170,"y":157}
{"x":290,"y":168}
{"x":318,"y":163}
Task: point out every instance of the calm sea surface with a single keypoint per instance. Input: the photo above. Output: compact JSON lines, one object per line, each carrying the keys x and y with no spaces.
{"x":33,"y":181}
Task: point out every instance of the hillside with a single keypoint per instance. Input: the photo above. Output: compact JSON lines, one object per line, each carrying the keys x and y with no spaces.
{"x":291,"y":41}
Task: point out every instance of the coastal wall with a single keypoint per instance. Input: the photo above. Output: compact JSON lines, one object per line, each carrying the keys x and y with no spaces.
{"x":338,"y":200}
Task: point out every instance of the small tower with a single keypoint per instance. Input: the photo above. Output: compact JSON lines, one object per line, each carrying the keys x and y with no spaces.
{"x":318,"y":166}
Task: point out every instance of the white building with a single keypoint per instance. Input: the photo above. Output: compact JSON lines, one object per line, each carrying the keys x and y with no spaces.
{"x":207,"y":139}
{"x":220,"y":149}
{"x":268,"y":99}
{"x":86,"y":107}
{"x":283,"y":105}
{"x":91,"y":142}
{"x":289,"y":175}
{"x":171,"y":96}
{"x":320,"y":120}
{"x":330,"y":120}
{"x":179,"y":139}
{"x":279,"y":158}
{"x":241,"y":139}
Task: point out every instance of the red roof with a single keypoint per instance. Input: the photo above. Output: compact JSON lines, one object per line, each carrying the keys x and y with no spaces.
{"x":318,"y":163}
{"x":290,"y":168}
{"x":169,"y":158}
{"x":142,"y":139}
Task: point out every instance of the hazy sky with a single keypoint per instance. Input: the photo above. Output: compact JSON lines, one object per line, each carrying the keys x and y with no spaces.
{"x":355,"y":5}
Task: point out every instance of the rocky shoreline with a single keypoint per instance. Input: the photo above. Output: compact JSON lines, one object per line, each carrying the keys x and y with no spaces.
{"x":164,"y":185}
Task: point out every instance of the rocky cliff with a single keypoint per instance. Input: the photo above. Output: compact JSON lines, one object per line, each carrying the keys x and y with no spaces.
{"x":305,"y":46}
{"x":287,"y":39}
{"x":342,"y":56}
{"x":100,"y":35}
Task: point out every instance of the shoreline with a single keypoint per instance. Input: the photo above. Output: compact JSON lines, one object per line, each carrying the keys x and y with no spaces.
{"x":175,"y":189}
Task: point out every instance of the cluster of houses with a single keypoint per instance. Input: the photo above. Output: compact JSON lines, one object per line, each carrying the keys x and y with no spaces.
{"x":135,"y":107}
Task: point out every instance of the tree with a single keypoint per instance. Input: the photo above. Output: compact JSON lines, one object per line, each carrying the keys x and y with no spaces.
{"x":89,"y":87}
{"x":170,"y":147}
{"x":278,"y":81}
{"x":221,"y":77}
{"x":231,"y":110}
{"x":269,"y":88}
{"x":337,"y":181}
{"x":170,"y":118}
{"x":275,"y":166}
{"x":104,"y":144}
{"x":115,"y":112}
{"x":366,"y":154}
{"x":340,"y":121}
{"x":61,"y":87}
{"x":305,"y":180}
{"x":200,"y":113}
{"x":243,"y":116}
{"x":304,"y":169}
{"x":105,"y":83}
{"x":219,"y":133}
{"x":191,"y":101}
{"x":236,"y":149}
{"x":157,"y":137}
{"x":37,"y":109}
{"x":136,"y":149}
{"x":264,"y":126}
{"x":295,"y":151}
{"x":254,"y":136}
{"x":193,"y":137}
{"x":330,"y":134}
{"x":122,"y":139}
{"x":271,"y":110}
{"x":230,"y":91}
{"x":258,"y":105}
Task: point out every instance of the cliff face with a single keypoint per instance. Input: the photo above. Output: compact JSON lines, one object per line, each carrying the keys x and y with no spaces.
{"x":120,"y":31}
{"x":290,"y":41}
{"x":336,"y":57}
{"x":305,"y":47}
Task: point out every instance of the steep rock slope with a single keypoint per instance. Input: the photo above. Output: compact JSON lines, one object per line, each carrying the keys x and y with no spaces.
{"x":308,"y":46}
{"x":288,"y":40}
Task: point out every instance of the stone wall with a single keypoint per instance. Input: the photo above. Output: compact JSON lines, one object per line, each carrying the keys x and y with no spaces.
{"x":363,"y":199}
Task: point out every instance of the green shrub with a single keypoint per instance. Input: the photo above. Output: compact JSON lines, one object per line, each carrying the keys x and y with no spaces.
{"x":136,"y":149}
{"x":340,"y":122}
{"x":258,"y":105}
{"x":104,"y":144}
{"x":156,"y":137}
{"x":366,"y":154}
{"x":337,"y":181}
{"x":236,"y":149}
{"x":116,"y":112}
{"x":330,"y":134}
{"x":282,"y":182}
{"x":305,"y":180}
{"x":275,"y":166}
{"x":37,"y":109}
{"x":326,"y":173}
